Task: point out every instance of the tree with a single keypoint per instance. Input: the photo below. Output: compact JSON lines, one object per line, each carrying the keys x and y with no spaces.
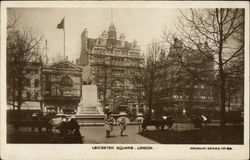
{"x":105,"y":85}
{"x":22,"y":51}
{"x":144,"y":79}
{"x":219,"y":32}
{"x":235,"y":80}
{"x":138,"y":81}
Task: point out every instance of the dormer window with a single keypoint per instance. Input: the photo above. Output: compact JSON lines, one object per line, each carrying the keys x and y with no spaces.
{"x":109,"y":45}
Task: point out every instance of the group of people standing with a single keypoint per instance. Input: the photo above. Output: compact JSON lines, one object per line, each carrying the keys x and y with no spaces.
{"x":110,"y":121}
{"x":69,"y":130}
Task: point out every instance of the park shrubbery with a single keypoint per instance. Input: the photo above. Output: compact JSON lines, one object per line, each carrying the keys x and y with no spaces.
{"x":208,"y":135}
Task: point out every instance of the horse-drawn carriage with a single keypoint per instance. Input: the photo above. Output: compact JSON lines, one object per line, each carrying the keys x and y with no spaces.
{"x":159,"y":123}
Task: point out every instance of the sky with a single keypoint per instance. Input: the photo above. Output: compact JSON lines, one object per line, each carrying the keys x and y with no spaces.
{"x":141,"y":24}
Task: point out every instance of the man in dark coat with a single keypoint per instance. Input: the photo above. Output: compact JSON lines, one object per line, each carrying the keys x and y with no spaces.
{"x":74,"y":133}
{"x":63,"y":128}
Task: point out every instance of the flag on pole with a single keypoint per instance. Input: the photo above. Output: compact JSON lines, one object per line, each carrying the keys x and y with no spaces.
{"x":61,"y":24}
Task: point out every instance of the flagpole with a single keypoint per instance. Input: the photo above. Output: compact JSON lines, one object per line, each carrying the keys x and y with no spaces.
{"x":64,"y":38}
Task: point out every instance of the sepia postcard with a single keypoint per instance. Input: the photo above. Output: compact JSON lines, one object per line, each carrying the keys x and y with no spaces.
{"x":124,"y":80}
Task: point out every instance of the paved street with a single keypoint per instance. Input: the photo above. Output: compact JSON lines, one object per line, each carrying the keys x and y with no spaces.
{"x":96,"y":135}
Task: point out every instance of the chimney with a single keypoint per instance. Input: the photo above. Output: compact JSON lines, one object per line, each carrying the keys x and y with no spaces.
{"x":122,"y":38}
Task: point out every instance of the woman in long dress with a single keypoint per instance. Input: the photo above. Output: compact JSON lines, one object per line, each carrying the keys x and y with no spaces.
{"x":108,"y":120}
{"x":122,"y":122}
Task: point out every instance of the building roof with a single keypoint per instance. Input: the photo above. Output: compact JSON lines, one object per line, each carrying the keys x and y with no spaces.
{"x":117,"y":44}
{"x":65,"y":64}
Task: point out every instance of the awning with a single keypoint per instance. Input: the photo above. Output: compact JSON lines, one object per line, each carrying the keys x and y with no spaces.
{"x":27,"y":106}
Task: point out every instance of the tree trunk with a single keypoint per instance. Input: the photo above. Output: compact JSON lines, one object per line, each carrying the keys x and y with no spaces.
{"x":105,"y":86}
{"x":222,"y":98}
{"x":13,"y":97}
{"x":14,"y":91}
{"x":222,"y":92}
{"x":221,"y":71}
{"x":151,"y":94}
{"x":190,"y":98}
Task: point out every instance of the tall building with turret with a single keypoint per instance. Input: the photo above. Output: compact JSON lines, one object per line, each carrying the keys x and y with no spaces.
{"x":112,"y":59}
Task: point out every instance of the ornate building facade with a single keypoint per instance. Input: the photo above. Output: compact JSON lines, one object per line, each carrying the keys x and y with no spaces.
{"x":61,"y":87}
{"x":111,"y":60}
{"x":177,"y":90}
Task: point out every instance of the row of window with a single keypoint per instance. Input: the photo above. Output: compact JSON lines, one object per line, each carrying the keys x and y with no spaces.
{"x":115,"y":52}
{"x":117,"y":72}
{"x":56,"y":78}
{"x":168,"y":84}
{"x":235,"y":100}
{"x":66,"y":92}
{"x":195,"y":97}
{"x":32,"y":71}
{"x":134,"y":54}
{"x":28,"y":83}
{"x":28,"y":96}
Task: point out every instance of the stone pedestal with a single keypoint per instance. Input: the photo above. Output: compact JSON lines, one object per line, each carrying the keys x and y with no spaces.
{"x":89,"y":104}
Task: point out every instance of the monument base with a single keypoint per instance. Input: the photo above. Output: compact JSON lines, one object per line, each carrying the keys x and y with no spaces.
{"x":90,"y":118}
{"x":89,"y":109}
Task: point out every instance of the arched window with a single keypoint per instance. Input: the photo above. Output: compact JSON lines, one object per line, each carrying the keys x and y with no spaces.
{"x":66,"y":81}
{"x":117,"y":83}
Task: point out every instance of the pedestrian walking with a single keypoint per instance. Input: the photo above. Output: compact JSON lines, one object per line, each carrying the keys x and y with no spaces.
{"x":49,"y":126}
{"x":122,"y":122}
{"x":169,"y":121}
{"x":140,"y":120}
{"x":109,"y":121}
{"x":34,"y":122}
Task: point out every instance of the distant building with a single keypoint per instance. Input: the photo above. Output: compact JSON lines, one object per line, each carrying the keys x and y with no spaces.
{"x":31,"y":87}
{"x":177,"y":90}
{"x":236,"y":102}
{"x":111,"y":60}
{"x":235,"y":84}
{"x":61,"y":87}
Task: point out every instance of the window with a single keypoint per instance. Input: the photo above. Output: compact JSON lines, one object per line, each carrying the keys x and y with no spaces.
{"x":141,"y":110}
{"x":236,"y":100}
{"x":36,"y":96}
{"x":36,"y":71}
{"x":28,"y":71}
{"x":27,"y":95}
{"x":27,"y":82}
{"x":66,"y":81}
{"x":36,"y":82}
{"x":47,"y":83}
